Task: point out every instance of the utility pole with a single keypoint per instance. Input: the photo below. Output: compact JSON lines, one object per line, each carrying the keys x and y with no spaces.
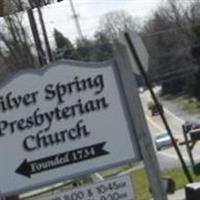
{"x":1,"y":8}
{"x":48,"y":48}
{"x":76,"y":19}
{"x":40,"y":52}
{"x":12,"y":198}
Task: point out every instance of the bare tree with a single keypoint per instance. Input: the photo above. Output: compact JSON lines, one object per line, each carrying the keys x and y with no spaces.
{"x":114,"y":23}
{"x":166,"y":37}
{"x":15,"y":47}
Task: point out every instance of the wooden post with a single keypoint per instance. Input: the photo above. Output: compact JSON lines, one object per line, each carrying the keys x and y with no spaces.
{"x":1,"y":7}
{"x":44,"y":31}
{"x":187,"y":141}
{"x":12,"y":198}
{"x":139,"y":123}
{"x":36,"y":37}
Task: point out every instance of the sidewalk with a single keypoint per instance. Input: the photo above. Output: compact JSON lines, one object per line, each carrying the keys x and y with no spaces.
{"x":178,"y":195}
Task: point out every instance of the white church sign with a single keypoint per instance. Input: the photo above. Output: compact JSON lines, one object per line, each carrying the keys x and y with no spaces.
{"x":67,"y":120}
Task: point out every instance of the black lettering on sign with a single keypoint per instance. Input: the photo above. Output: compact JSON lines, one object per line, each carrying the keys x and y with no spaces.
{"x":43,"y":140}
{"x":77,"y":85}
{"x":46,"y":119}
{"x":28,"y":169}
{"x":10,"y":102}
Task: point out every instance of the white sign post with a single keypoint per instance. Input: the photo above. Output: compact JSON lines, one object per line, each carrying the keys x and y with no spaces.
{"x":62,"y":122}
{"x":140,"y":125}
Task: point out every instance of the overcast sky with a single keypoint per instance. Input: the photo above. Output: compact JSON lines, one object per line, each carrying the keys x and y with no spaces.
{"x":59,"y":15}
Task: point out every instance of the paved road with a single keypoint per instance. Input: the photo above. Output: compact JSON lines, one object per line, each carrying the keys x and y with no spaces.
{"x":168,"y":157}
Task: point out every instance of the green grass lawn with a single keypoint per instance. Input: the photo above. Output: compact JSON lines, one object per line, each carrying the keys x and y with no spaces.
{"x":187,"y":103}
{"x":139,"y":180}
{"x":141,"y":185}
{"x":115,"y":170}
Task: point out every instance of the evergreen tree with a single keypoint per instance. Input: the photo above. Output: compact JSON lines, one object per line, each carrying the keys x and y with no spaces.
{"x":103,"y":50}
{"x":64,"y":47}
{"x":85,"y":48}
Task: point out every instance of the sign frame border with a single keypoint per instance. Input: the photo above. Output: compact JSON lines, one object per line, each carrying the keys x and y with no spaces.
{"x":109,"y":63}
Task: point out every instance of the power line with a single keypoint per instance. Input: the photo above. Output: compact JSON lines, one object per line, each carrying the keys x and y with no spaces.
{"x":175,"y":72}
{"x":173,"y":78}
{"x":76,"y":17}
{"x":64,"y":20}
{"x":174,"y":51}
{"x":44,"y":33}
{"x":141,"y":34}
{"x":168,"y":30}
{"x":69,"y":32}
{"x":152,"y":57}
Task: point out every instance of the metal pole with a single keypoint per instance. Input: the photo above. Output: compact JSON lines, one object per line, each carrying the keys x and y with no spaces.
{"x":187,"y":141}
{"x":2,"y":8}
{"x":40,"y":52}
{"x":148,"y":84}
{"x":48,"y":48}
{"x":2,"y":197}
{"x":12,"y":198}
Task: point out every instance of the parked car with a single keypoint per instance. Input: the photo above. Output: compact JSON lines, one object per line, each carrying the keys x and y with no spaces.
{"x":163,"y":140}
{"x":153,"y":109}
